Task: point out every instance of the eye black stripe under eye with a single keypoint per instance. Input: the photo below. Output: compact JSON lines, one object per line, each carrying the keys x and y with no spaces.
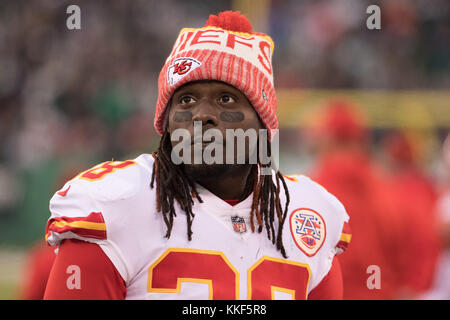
{"x":182,"y":116}
{"x":229,"y":116}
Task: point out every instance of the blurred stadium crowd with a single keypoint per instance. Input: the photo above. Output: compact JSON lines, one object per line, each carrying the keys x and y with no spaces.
{"x":71,"y":99}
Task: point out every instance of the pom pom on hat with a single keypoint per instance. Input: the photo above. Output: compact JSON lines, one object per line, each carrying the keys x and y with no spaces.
{"x":230,"y":20}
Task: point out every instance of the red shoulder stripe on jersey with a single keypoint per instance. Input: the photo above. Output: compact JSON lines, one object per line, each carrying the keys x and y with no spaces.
{"x":344,"y":241}
{"x":346,"y":228}
{"x":345,"y":238}
{"x":93,"y":226}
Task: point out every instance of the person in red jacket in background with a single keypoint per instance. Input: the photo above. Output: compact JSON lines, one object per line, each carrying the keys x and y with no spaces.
{"x":39,"y":263}
{"x":440,"y":287}
{"x":416,"y":198}
{"x":345,"y":167}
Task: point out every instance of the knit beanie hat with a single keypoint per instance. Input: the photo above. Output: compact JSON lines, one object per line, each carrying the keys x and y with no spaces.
{"x":225,"y":49}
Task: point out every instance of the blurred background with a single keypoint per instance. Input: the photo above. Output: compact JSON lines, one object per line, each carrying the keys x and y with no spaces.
{"x":364,"y":112}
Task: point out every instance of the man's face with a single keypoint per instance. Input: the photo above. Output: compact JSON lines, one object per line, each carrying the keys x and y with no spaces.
{"x":214,"y":105}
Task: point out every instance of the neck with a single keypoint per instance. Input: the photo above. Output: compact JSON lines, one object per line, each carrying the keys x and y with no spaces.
{"x":227,"y":182}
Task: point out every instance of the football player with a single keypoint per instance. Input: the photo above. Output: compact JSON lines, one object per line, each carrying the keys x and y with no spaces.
{"x":151,"y":228}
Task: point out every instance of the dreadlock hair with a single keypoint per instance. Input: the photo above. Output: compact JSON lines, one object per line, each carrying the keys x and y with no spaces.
{"x":173,"y":184}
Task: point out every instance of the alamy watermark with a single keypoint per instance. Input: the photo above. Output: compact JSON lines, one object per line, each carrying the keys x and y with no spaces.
{"x":373,"y":22}
{"x":237,"y":147}
{"x":73,"y":21}
{"x":74,"y":280}
{"x":374,"y":280}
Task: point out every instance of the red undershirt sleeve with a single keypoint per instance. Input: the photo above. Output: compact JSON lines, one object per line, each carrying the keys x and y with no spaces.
{"x":331,"y":286}
{"x":82,"y":271}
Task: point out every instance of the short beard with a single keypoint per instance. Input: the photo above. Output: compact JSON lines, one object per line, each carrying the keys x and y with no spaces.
{"x":215,"y":171}
{"x":207,"y":172}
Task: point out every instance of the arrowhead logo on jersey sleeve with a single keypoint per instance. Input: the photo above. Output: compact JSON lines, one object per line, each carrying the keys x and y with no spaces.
{"x":308,"y":230}
{"x":180,"y":68}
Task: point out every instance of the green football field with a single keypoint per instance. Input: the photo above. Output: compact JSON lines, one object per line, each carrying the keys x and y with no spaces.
{"x":11,"y":268}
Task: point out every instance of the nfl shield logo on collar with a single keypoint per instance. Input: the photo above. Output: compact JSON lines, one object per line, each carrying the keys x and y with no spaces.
{"x":238,"y":224}
{"x":308,"y":230}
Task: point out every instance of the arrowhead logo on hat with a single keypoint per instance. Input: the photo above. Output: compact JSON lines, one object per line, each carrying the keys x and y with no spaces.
{"x":180,"y":68}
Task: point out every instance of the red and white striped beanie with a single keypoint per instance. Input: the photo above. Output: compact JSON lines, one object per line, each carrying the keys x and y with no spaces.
{"x":227,"y":50}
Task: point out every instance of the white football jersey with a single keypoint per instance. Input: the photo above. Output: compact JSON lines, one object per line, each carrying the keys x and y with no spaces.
{"x":114,"y":206}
